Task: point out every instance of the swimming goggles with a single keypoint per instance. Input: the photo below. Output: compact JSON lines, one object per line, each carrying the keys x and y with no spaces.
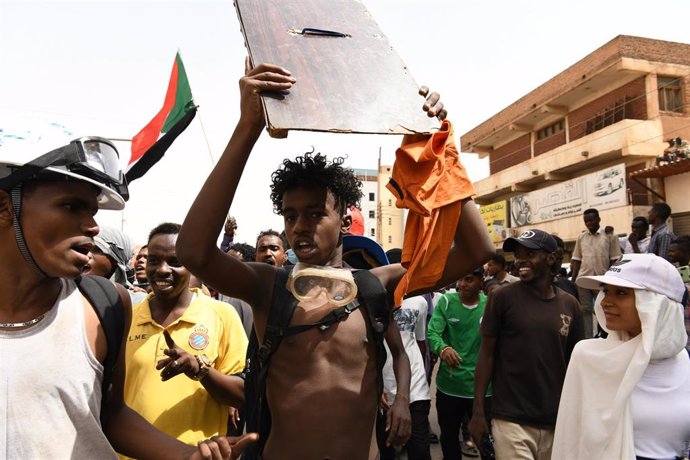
{"x":308,"y":282}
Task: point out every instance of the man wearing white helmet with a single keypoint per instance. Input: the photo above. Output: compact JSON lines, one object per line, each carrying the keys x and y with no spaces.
{"x":52,"y":345}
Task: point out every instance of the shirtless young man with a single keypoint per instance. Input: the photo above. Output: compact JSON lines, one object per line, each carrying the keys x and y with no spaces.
{"x":322,"y":385}
{"x":52,"y":344}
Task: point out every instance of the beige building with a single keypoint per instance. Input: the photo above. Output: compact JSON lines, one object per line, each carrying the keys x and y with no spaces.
{"x":391,"y":220}
{"x":369,"y":201}
{"x":589,"y":137}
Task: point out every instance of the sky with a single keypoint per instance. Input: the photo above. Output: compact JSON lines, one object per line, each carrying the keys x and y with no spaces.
{"x":102,"y":68}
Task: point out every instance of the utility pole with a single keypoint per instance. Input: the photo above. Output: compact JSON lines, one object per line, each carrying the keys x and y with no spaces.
{"x":378,"y":199}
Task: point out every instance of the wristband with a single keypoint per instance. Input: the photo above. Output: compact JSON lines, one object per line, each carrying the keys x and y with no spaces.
{"x":204,"y":367}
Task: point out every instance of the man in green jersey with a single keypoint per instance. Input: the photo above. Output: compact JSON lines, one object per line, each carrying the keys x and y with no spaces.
{"x":455,"y":338}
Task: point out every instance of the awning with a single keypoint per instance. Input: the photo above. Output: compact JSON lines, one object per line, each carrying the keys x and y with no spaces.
{"x":669,"y":169}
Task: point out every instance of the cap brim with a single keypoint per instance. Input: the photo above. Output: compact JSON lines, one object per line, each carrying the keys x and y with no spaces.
{"x":374,"y":249}
{"x":107,"y":198}
{"x":511,"y":244}
{"x":595,"y":282}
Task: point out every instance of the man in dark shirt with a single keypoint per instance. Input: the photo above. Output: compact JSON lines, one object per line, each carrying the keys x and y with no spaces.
{"x":529,"y":330}
{"x":562,"y":282}
{"x":661,"y":235}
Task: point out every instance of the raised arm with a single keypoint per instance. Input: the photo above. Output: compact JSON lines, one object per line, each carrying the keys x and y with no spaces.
{"x":196,"y":243}
{"x":472,"y":246}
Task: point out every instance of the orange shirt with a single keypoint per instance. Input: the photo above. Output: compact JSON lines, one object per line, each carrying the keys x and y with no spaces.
{"x":430,"y":181}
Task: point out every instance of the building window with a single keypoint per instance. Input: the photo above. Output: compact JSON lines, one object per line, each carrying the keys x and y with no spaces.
{"x":390,"y":221}
{"x":550,"y":130}
{"x":612,"y":114}
{"x":372,"y":214}
{"x":372,"y":196}
{"x":390,"y":202}
{"x":372,"y":232}
{"x":670,"y":97}
{"x":390,"y":239}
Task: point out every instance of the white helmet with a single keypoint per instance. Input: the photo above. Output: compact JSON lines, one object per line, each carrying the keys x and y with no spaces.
{"x":90,"y":159}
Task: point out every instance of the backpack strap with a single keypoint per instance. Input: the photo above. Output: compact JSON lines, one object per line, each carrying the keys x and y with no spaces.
{"x":377,"y":302}
{"x":375,"y":297}
{"x":280,"y":314}
{"x":106,"y":302}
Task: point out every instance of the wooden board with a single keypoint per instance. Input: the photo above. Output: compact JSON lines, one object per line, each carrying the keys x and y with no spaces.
{"x":347,"y":84}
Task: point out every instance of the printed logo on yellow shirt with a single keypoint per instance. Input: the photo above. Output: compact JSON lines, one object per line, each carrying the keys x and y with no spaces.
{"x":199,"y":338}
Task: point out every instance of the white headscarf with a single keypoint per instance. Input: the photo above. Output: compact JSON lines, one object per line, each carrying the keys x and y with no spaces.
{"x":594,"y":415}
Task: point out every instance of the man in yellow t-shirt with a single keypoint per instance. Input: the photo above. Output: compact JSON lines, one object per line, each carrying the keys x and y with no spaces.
{"x":182,"y":350}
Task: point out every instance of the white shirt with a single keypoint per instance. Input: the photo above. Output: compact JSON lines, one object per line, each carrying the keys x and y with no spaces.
{"x":661,"y":408}
{"x":627,"y":248}
{"x":411,"y":320}
{"x":50,"y":387}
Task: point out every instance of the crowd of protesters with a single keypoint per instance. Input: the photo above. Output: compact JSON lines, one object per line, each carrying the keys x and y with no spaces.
{"x":294,"y":335}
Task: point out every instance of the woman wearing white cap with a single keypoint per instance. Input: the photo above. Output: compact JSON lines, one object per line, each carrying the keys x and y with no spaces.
{"x":628,"y":396}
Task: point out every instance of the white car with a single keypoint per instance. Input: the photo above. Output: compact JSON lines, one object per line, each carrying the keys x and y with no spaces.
{"x":608,"y":182}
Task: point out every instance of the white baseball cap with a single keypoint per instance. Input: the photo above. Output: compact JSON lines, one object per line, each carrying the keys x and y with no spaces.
{"x":640,"y":271}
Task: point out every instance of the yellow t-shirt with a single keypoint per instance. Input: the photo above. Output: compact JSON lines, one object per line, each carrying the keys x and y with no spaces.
{"x":181,"y":407}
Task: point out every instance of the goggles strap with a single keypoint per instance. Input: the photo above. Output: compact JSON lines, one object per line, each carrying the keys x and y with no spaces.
{"x":19,"y":233}
{"x":334,"y":316}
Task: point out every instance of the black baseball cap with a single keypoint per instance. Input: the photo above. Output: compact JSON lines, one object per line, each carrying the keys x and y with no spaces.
{"x":478,"y":271}
{"x":533,"y":239}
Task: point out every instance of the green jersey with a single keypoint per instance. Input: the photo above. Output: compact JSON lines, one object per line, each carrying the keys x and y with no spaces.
{"x":455,"y":325}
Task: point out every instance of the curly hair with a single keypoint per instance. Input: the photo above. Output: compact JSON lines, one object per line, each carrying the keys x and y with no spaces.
{"x":314,"y":170}
{"x":247,"y":251}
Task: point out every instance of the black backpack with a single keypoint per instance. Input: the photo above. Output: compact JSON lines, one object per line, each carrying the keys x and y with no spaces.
{"x":371,"y":295}
{"x":106,"y":302}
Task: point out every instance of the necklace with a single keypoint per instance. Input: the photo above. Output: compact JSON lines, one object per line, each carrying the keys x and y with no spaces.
{"x":31,"y":322}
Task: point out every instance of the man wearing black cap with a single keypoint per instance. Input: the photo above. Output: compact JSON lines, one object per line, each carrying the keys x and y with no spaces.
{"x":529,"y":330}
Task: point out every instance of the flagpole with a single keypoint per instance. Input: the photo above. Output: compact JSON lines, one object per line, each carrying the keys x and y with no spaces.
{"x":203,"y":130}
{"x":122,"y":212}
{"x":208,"y":146}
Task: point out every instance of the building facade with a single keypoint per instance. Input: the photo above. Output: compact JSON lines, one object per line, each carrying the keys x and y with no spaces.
{"x":589,"y":137}
{"x":369,"y":202}
{"x":391,"y":220}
